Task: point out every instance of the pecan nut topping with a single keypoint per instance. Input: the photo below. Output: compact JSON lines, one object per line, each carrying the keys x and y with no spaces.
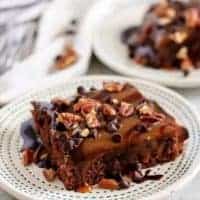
{"x":85,"y":132}
{"x":164,"y":10}
{"x":144,"y":109}
{"x":179,"y":37}
{"x":110,"y":184}
{"x":186,"y":65}
{"x":147,"y":113}
{"x":91,"y":120}
{"x":27,"y":157}
{"x":69,"y":57}
{"x":165,"y":14}
{"x":155,"y":117}
{"x":69,"y":119}
{"x":85,"y":188}
{"x":126,"y":109}
{"x":192,"y":17}
{"x":182,"y":53}
{"x":115,"y":101}
{"x":108,"y":110}
{"x":86,"y":105}
{"x":49,"y":174}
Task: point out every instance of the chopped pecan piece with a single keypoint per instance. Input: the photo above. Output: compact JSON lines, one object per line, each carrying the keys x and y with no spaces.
{"x":155,"y":117}
{"x":113,"y":86}
{"x":182,"y":53}
{"x":186,"y":65}
{"x":164,"y":10}
{"x":69,"y":119}
{"x":192,"y":17}
{"x":108,"y":110}
{"x":85,"y":188}
{"x":115,"y":101}
{"x":27,"y":157}
{"x":145,"y":109}
{"x":160,"y":9}
{"x":164,"y":21}
{"x":109,"y":184}
{"x":68,"y":58}
{"x":86,"y":105}
{"x":179,"y":37}
{"x":126,"y":109}
{"x":91,"y":120}
{"x":171,"y":13}
{"x":49,"y":174}
{"x":85,"y":132}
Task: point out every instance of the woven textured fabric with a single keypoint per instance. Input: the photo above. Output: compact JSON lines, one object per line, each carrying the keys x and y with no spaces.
{"x":18,"y":29}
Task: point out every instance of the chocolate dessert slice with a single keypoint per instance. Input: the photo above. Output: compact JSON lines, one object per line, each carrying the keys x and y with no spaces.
{"x":104,"y":137}
{"x":168,"y":37}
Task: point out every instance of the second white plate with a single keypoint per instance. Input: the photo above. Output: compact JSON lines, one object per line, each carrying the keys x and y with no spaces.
{"x":109,"y":19}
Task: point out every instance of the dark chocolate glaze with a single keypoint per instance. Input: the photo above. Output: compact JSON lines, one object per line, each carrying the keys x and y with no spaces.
{"x":44,"y":164}
{"x":30,"y":139}
{"x":127,"y":33}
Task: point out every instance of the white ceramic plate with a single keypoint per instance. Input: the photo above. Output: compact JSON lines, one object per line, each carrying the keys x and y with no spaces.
{"x":50,"y":42}
{"x":110,"y":18}
{"x":28,"y":182}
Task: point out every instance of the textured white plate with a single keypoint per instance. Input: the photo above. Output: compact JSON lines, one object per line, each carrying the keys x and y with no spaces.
{"x":110,"y":18}
{"x":28,"y":182}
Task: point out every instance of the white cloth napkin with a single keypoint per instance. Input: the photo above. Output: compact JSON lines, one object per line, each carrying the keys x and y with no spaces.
{"x":18,"y":23}
{"x":50,"y":41}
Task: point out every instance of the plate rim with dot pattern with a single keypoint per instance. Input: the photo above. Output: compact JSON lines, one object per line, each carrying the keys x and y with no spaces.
{"x":28,"y":182}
